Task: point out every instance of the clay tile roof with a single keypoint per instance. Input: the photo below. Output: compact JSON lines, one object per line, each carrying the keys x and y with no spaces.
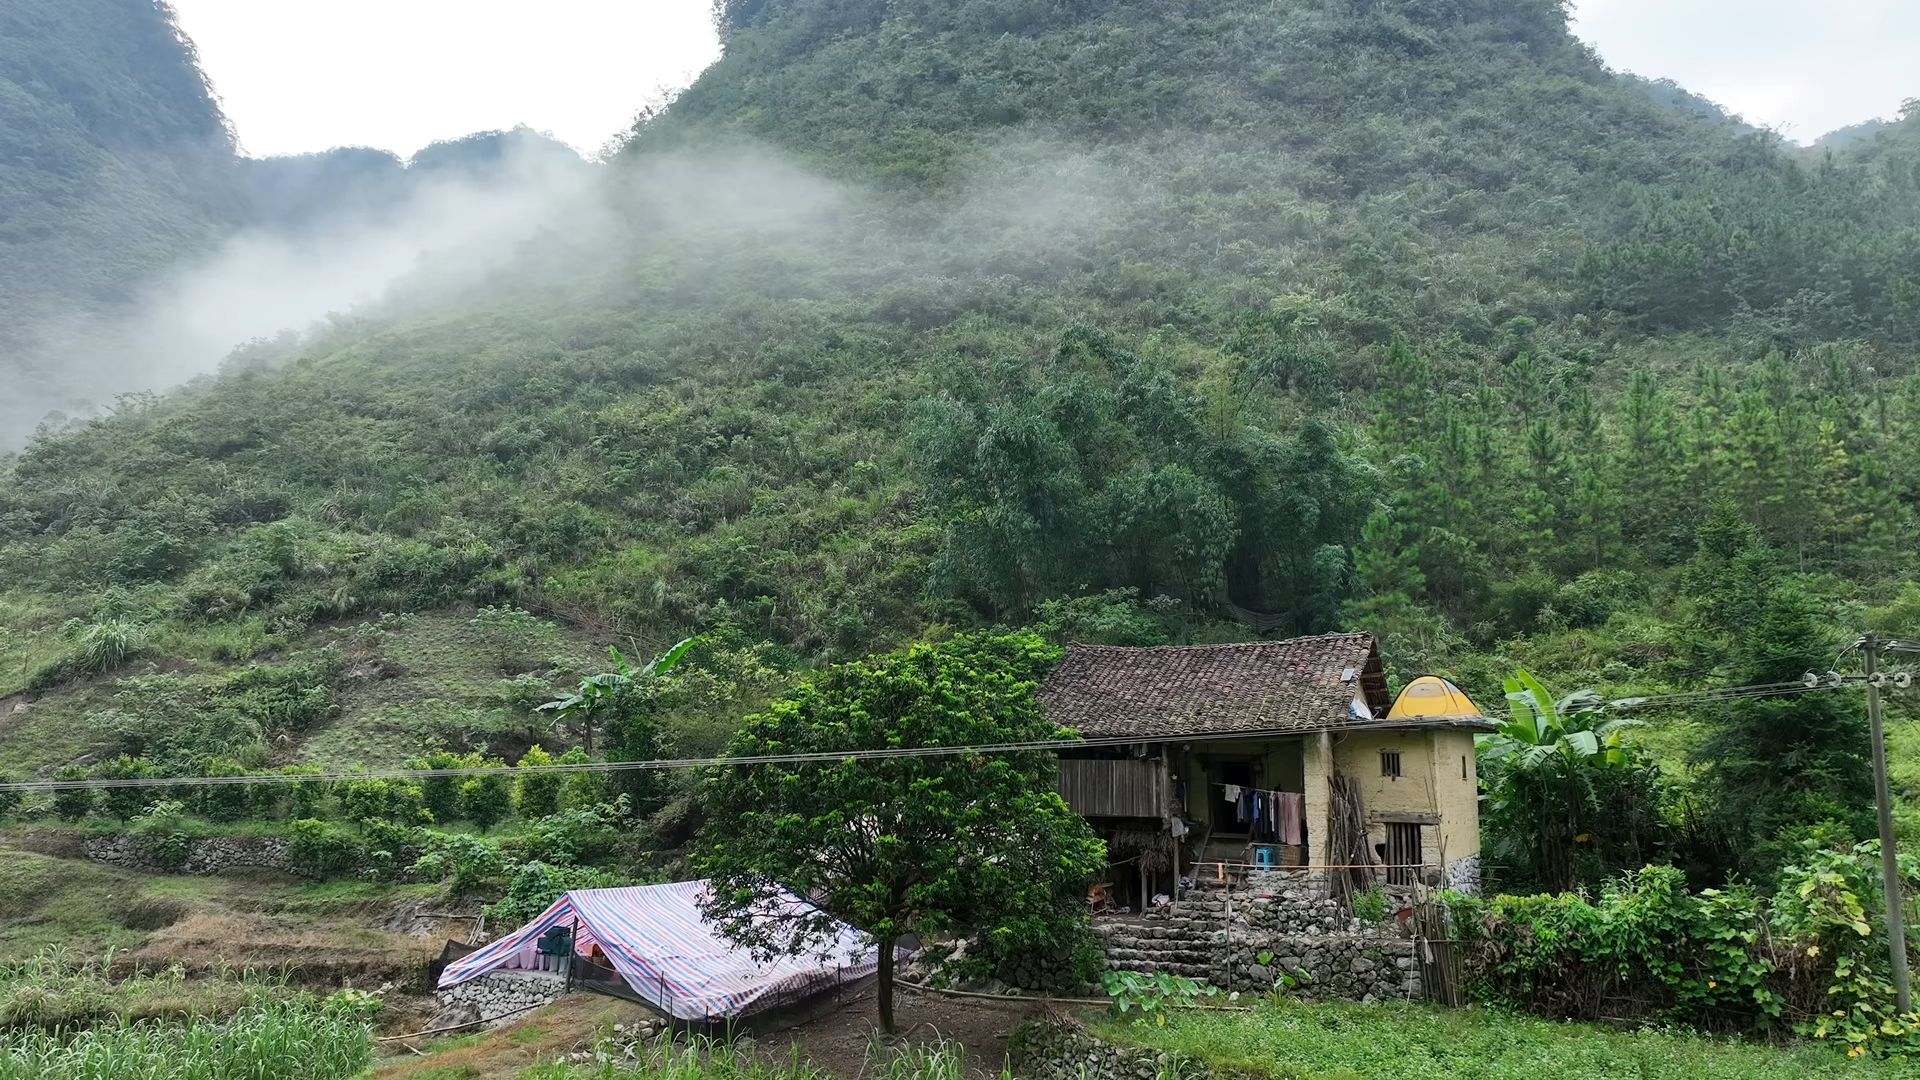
{"x":1306,"y":684}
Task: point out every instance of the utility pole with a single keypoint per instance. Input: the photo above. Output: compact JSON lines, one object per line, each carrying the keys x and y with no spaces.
{"x":1889,"y":857}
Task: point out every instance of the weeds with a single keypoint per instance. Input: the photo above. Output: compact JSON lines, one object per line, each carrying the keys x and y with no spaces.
{"x":51,"y":991}
{"x":304,"y":1039}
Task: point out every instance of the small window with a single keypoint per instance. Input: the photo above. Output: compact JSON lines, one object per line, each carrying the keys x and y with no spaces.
{"x":1390,"y":763}
{"x":1463,"y":767}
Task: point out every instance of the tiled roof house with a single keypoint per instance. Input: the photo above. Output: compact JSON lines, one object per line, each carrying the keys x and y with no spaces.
{"x":1235,"y":753}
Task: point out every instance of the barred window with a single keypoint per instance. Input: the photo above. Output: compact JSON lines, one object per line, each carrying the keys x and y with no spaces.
{"x":1390,"y":763}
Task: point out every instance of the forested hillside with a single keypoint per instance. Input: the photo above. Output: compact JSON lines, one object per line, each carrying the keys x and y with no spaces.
{"x":1136,"y":321}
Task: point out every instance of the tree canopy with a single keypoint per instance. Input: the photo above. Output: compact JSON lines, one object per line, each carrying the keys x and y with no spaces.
{"x":975,"y":842}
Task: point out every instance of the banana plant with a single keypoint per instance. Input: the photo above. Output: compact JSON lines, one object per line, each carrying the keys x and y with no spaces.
{"x":1557,"y":771}
{"x":596,"y":692}
{"x":1572,"y":728}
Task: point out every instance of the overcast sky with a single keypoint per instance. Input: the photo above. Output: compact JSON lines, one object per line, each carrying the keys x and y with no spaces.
{"x":301,"y":75}
{"x":1802,"y":66}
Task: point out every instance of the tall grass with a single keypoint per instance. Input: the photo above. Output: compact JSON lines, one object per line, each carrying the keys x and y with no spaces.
{"x":285,"y":1040}
{"x":55,"y":990}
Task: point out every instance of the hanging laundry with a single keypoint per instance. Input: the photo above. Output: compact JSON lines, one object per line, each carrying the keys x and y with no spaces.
{"x":1293,"y":818}
{"x":1233,"y":793}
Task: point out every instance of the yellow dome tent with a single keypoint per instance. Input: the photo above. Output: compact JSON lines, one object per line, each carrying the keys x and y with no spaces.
{"x":1431,"y":697}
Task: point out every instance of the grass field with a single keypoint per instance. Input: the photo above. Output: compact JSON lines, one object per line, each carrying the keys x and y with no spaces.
{"x":1409,"y":1042}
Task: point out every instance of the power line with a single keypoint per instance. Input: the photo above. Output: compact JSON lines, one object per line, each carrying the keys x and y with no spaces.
{"x":1717,"y":694}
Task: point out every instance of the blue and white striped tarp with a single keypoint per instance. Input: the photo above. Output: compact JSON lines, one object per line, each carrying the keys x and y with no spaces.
{"x":657,"y":939}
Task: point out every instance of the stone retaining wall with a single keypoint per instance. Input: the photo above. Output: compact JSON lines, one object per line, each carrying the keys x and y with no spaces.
{"x":498,"y":996}
{"x":1057,"y":1049}
{"x":1272,"y":930}
{"x":204,"y":855}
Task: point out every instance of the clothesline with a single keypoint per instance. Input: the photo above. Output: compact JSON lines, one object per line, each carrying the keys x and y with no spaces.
{"x":1281,"y":815}
{"x":1250,"y":787}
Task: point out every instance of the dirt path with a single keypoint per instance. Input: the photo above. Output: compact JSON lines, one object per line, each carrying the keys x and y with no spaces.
{"x":845,"y":1043}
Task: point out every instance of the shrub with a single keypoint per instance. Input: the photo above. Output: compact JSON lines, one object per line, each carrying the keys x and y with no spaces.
{"x":441,"y":794}
{"x":225,"y":801}
{"x":463,"y":862}
{"x":125,"y":803}
{"x":305,"y":798}
{"x":581,"y":790}
{"x":9,"y":800}
{"x":73,"y":803}
{"x":92,"y":649}
{"x":487,"y":799}
{"x":318,"y":849}
{"x":161,"y":835}
{"x":534,"y":886}
{"x":396,"y":801}
{"x":1814,"y":959}
{"x":573,"y":836}
{"x":538,"y":793}
{"x":1149,"y":995}
{"x":284,"y":697}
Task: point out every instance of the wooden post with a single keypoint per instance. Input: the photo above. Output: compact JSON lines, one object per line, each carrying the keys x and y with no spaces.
{"x":1889,"y":854}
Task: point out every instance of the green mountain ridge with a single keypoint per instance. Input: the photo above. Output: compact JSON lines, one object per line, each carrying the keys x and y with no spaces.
{"x":1141,"y":322}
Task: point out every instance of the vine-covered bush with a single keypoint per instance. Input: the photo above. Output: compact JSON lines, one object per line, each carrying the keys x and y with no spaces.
{"x":1812,"y":959}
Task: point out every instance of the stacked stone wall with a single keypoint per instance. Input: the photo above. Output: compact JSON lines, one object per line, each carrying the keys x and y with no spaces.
{"x":1270,"y":931}
{"x":203,"y":855}
{"x":498,"y":996}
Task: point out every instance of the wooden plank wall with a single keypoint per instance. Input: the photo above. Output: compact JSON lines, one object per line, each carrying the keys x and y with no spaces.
{"x":1099,"y":787}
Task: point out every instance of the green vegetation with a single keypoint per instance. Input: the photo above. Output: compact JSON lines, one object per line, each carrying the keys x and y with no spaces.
{"x":1291,"y":1041}
{"x":114,"y":158}
{"x":1128,"y":322}
{"x":55,"y":991}
{"x":980,"y":844}
{"x":325,"y":1042}
{"x":1811,"y":959}
{"x":1566,"y":788}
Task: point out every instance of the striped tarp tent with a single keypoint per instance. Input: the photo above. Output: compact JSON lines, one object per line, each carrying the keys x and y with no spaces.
{"x":670,"y":955}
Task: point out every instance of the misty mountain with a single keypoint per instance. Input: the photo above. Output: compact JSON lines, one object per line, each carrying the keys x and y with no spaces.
{"x":1134,"y":320}
{"x":114,"y":158}
{"x":298,"y":190}
{"x":137,"y":248}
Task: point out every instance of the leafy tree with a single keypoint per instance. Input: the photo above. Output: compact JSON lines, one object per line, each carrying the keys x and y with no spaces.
{"x":969,"y":842}
{"x":580,"y":790}
{"x":537,"y":794}
{"x":441,"y":794}
{"x":228,"y":801}
{"x":397,"y":802}
{"x":487,"y":799}
{"x":304,"y":798}
{"x":1569,"y":799}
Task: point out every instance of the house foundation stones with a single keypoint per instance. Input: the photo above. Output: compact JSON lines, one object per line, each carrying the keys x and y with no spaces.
{"x":1274,"y":931}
